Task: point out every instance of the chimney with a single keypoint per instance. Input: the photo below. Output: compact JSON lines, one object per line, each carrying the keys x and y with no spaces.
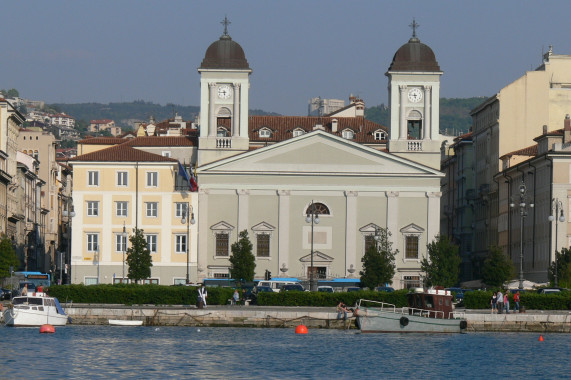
{"x":334,"y":125}
{"x":567,"y":130}
{"x":545,"y":129}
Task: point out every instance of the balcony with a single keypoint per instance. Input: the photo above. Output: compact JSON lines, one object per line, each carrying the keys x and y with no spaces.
{"x":223,"y":142}
{"x":414,"y":145}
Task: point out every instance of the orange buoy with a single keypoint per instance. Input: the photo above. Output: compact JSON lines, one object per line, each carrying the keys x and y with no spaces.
{"x":541,"y":338}
{"x":301,"y":329}
{"x":47,"y":329}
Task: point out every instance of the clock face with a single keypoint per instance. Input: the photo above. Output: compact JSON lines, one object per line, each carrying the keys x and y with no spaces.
{"x":224,"y":92}
{"x":415,"y":95}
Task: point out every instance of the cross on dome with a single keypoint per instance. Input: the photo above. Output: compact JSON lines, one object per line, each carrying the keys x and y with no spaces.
{"x":225,"y":22}
{"x":414,"y":25}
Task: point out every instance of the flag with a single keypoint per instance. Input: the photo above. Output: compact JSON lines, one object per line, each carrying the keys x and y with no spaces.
{"x":191,"y":180}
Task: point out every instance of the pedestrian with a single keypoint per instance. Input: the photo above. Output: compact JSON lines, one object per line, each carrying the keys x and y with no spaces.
{"x":507,"y":302}
{"x":341,"y":311}
{"x":516,"y":301}
{"x":202,"y":294}
{"x":236,"y":297}
{"x":493,"y":301}
{"x":25,"y":290}
{"x":500,"y":302}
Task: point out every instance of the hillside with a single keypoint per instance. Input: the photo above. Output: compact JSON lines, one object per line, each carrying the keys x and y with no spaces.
{"x":454,"y":114}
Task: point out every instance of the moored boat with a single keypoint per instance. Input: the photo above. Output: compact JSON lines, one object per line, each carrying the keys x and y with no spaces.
{"x":428,"y":311}
{"x":122,"y":322}
{"x":34,"y":310}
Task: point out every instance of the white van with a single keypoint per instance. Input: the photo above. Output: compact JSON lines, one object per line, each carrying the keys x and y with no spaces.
{"x":276,"y":285}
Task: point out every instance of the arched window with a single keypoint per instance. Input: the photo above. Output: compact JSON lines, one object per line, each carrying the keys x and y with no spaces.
{"x":380,"y":134}
{"x":348,"y":134}
{"x":298,"y":132}
{"x":265,"y":132}
{"x":317,"y":208}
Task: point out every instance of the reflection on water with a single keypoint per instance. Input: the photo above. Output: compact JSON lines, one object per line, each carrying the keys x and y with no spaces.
{"x":76,"y":352}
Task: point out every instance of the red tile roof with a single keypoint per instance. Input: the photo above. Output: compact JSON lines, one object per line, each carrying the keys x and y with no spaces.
{"x":528,"y":151}
{"x":162,"y":141}
{"x":121,"y":153}
{"x":102,"y":140}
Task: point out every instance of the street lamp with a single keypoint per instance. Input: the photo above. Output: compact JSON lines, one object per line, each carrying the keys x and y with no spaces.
{"x":124,"y":236}
{"x":69,"y":213}
{"x":98,"y":260}
{"x":313,"y":218}
{"x":523,"y":213}
{"x":557,"y":206}
{"x":188,"y":222}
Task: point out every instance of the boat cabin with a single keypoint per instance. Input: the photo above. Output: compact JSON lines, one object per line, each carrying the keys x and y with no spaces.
{"x":437,"y":303}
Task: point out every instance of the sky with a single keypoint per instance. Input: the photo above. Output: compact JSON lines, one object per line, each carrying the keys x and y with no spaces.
{"x":78,"y":51}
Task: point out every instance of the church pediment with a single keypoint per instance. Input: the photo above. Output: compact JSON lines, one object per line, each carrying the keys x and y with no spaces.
{"x":370,"y":228}
{"x":263,"y":227}
{"x":222,"y":226}
{"x":319,"y":153}
{"x":318,"y":257}
{"x":412,"y":229}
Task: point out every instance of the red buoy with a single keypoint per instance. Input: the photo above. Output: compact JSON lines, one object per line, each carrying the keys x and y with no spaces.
{"x":301,"y":329}
{"x":541,"y":338}
{"x":47,"y":329}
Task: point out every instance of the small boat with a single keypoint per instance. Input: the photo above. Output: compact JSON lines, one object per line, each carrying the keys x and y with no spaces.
{"x":35,"y":310}
{"x":428,"y":311}
{"x":122,"y":322}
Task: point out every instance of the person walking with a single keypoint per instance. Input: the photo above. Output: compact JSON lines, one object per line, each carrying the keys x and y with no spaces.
{"x":500,"y":302}
{"x":494,"y":301}
{"x":507,"y":302}
{"x":516,"y":301}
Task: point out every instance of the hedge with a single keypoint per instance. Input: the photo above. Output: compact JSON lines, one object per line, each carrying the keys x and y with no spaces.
{"x":529,"y":300}
{"x":397,"y":298}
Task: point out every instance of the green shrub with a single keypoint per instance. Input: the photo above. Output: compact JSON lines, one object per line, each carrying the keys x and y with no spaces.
{"x":397,"y":298}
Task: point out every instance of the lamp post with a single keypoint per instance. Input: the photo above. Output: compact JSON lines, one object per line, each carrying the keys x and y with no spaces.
{"x":313,"y":218}
{"x":523,"y":213}
{"x":98,"y":260}
{"x":557,"y":206}
{"x":124,"y":235}
{"x":69,"y":213}
{"x":188,"y":221}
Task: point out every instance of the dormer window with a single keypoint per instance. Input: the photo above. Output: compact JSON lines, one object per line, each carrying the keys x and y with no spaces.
{"x":380,"y":135}
{"x":265,"y":132}
{"x":298,"y":132}
{"x":348,"y":134}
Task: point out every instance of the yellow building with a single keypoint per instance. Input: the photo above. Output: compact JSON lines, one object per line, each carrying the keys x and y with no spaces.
{"x":121,"y":188}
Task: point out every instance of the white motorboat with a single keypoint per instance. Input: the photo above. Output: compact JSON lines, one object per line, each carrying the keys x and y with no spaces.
{"x":35,"y":310}
{"x":122,"y":322}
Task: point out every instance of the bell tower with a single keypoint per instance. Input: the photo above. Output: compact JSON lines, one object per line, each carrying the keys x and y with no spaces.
{"x":414,"y":99}
{"x":224,"y":86}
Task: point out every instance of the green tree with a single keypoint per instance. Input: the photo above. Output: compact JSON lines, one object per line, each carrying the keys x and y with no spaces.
{"x":563,"y":268}
{"x":442,"y":267}
{"x":378,"y":261}
{"x":497,"y":269}
{"x":8,"y":257}
{"x":242,"y":260}
{"x":139,"y":257}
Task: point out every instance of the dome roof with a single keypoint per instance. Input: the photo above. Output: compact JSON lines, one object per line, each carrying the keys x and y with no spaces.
{"x":225,"y":54}
{"x":414,"y":56}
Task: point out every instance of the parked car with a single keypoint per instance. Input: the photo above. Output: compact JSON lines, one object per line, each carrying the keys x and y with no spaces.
{"x":5,"y":294}
{"x":355,"y":289}
{"x":292,"y":287}
{"x":325,"y":289}
{"x":549,"y":290}
{"x":387,"y":289}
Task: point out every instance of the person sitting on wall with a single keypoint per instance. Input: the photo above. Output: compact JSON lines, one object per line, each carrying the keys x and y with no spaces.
{"x":342,"y":310}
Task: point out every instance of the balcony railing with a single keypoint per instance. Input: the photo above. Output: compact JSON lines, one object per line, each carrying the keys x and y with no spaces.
{"x":415,"y":145}
{"x":223,"y":142}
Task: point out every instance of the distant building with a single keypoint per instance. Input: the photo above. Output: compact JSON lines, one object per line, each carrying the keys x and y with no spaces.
{"x":63,"y":120}
{"x":319,"y":107}
{"x":104,"y":125}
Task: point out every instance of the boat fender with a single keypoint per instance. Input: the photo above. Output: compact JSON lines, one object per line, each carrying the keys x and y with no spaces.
{"x":463,"y":325}
{"x":403,"y":321}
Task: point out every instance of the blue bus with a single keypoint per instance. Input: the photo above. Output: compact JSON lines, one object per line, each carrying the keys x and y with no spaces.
{"x":35,"y":278}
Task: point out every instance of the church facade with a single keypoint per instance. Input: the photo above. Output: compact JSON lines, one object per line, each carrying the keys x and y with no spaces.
{"x":266,"y":174}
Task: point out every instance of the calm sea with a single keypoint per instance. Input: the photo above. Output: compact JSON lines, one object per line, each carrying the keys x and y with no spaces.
{"x":101,"y":352}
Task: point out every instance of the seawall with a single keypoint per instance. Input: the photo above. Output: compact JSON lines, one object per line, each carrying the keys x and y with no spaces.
{"x":312,"y":317}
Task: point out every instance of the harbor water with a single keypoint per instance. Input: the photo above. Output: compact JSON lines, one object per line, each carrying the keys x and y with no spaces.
{"x":101,"y":352}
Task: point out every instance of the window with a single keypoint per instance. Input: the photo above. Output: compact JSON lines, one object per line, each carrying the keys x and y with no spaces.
{"x":166,"y":153}
{"x":120,"y":243}
{"x":92,"y":242}
{"x":411,"y":282}
{"x":93,"y":178}
{"x":152,"y":179}
{"x":180,"y":244}
{"x":92,"y":208}
{"x":348,"y":134}
{"x":152,"y":209}
{"x":265,"y":132}
{"x":369,"y":242}
{"x":222,"y":132}
{"x":263,"y":245}
{"x":411,"y":249}
{"x":122,"y":178}
{"x":380,"y":135}
{"x":180,"y":208}
{"x":318,"y":208}
{"x":152,"y":243}
{"x":121,"y":208}
{"x":222,"y":240}
{"x":90,"y":280}
{"x":298,"y":132}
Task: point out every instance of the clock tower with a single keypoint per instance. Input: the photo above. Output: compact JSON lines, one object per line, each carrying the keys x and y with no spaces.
{"x":224,"y":86}
{"x":414,"y":93}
